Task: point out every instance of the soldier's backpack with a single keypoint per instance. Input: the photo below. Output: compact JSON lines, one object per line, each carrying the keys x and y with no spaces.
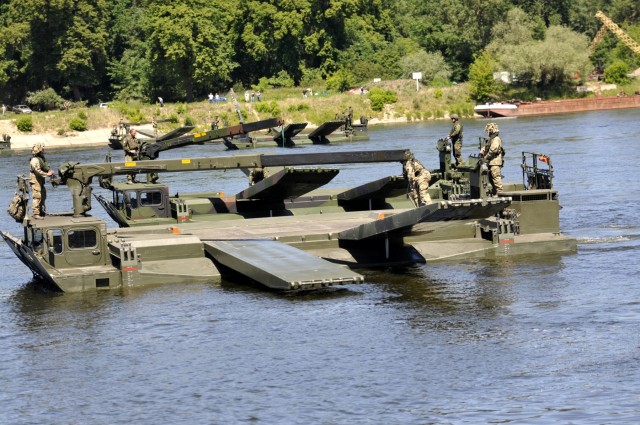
{"x":17,"y":208}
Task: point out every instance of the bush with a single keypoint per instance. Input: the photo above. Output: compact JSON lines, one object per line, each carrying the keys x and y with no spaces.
{"x":381,"y":97}
{"x":342,"y":80}
{"x":82,"y":115}
{"x":269,"y":107}
{"x":188,"y":121}
{"x":24,"y":123}
{"x":281,"y":80}
{"x":45,"y":100}
{"x":300,"y":107}
{"x":616,"y":73}
{"x":78,"y":124}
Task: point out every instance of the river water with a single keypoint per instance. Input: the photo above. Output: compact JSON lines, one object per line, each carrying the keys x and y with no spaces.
{"x":545,"y":340}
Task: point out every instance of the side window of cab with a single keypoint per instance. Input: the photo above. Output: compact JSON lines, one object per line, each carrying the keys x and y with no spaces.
{"x":55,"y":241}
{"x":82,"y":238}
{"x":152,"y":198}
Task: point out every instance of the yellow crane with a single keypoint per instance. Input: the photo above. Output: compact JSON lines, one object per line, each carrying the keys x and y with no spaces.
{"x":608,"y":24}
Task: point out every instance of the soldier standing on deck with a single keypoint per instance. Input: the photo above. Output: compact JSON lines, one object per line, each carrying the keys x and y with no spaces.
{"x":418,"y":178}
{"x":131,"y":146}
{"x":455,"y":135}
{"x":493,"y":154}
{"x":39,"y":169}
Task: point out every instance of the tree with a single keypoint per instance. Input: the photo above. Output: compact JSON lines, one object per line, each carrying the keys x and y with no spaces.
{"x":481,"y":82}
{"x":270,"y":37}
{"x":186,"y":50}
{"x":432,"y":66}
{"x":84,"y":46}
{"x":560,"y":57}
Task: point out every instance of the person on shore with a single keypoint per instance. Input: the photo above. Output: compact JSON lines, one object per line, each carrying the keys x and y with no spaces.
{"x":493,"y":154}
{"x":38,"y":171}
{"x":4,"y":109}
{"x":161,"y":101}
{"x":455,"y":135}
{"x":131,"y":146}
{"x":418,"y":179}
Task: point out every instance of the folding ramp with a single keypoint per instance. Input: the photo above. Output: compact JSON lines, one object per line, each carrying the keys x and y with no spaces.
{"x":278,"y":265}
{"x":289,"y":132}
{"x":319,"y":135}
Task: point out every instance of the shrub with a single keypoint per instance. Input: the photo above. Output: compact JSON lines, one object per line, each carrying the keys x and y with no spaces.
{"x":45,"y":100}
{"x":381,"y":97}
{"x":342,"y":80}
{"x":269,"y":108}
{"x":24,"y":123}
{"x":188,"y":121}
{"x":78,"y":124}
{"x":173,"y":118}
{"x":82,"y":115}
{"x":281,"y":80}
{"x":300,"y":107}
{"x":616,"y":73}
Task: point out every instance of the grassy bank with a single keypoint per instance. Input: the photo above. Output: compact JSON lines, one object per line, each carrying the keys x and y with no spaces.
{"x":289,"y":104}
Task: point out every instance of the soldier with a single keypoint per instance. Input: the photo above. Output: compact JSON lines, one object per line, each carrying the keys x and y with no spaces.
{"x":215,"y":124}
{"x":350,"y":118}
{"x":418,"y":178}
{"x":455,"y":135}
{"x":131,"y":146}
{"x":493,"y":154}
{"x":39,"y":169}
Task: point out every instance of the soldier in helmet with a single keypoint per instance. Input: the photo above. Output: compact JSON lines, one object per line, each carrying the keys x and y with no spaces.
{"x":493,"y":154}
{"x":38,"y":171}
{"x":131,"y":146}
{"x":455,"y":135}
{"x":418,"y":178}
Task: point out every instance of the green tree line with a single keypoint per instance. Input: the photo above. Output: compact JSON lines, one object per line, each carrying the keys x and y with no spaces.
{"x":98,"y":50}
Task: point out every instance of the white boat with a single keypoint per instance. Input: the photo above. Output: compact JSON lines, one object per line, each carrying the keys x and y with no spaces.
{"x":495,"y":109}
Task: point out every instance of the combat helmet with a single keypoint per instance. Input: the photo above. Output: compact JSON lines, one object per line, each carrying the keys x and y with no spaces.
{"x":37,"y":149}
{"x":454,"y":117}
{"x":491,"y":128}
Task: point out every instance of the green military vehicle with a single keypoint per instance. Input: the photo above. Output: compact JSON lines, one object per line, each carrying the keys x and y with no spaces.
{"x":285,"y":231}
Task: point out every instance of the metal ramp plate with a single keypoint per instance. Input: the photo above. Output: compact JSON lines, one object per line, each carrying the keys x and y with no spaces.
{"x":440,"y":211}
{"x":176,"y":133}
{"x":289,"y":131}
{"x":289,"y":183}
{"x":386,"y":187}
{"x":326,"y":128}
{"x":279,"y":266}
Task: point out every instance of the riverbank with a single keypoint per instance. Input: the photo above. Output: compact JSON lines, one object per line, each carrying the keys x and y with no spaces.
{"x":52,"y":127}
{"x":100,"y":137}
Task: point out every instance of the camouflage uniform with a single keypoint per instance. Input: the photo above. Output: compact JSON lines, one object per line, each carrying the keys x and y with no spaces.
{"x":131,"y":148}
{"x":455,"y":135}
{"x":493,"y":154}
{"x":38,"y":170}
{"x":418,"y":178}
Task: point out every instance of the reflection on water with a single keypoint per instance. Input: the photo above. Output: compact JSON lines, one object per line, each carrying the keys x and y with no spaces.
{"x":547,"y":339}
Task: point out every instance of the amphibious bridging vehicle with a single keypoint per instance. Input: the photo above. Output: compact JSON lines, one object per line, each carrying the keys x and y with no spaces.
{"x":285,"y":231}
